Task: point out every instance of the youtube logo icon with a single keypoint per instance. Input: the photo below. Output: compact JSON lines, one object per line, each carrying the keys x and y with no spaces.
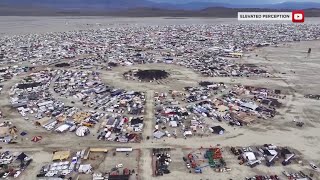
{"x":298,"y":16}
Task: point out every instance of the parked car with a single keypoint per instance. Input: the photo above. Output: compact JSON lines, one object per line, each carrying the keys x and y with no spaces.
{"x":188,"y":165}
{"x":314,"y":166}
{"x":119,"y":165}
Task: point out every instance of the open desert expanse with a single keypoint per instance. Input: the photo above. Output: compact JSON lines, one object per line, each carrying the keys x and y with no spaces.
{"x":17,"y":25}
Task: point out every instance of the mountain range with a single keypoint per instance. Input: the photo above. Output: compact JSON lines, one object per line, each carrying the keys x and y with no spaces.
{"x":134,"y":7}
{"x":130,"y":4}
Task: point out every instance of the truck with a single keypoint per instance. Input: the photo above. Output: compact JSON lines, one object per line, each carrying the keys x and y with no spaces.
{"x":270,"y":161}
{"x":199,"y":169}
{"x":287,"y":160}
{"x":253,"y":164}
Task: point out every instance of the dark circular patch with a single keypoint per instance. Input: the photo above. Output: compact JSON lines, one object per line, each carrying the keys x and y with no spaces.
{"x":149,"y":75}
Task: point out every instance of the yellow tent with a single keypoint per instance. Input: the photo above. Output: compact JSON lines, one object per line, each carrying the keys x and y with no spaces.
{"x":222,"y":108}
{"x":80,"y":116}
{"x":62,"y":118}
{"x":236,"y":54}
{"x":13,"y":130}
{"x":99,"y":150}
{"x":61,"y":155}
{"x":42,"y":121}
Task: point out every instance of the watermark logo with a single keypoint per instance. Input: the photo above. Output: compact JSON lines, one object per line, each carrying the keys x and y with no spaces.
{"x":296,"y":16}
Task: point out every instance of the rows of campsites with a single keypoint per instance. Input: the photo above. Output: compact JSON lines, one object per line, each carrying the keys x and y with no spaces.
{"x":202,"y":110}
{"x":78,"y":102}
{"x":126,"y":163}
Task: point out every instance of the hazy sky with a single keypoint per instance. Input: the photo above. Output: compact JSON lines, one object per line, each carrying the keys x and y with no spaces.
{"x":237,"y":1}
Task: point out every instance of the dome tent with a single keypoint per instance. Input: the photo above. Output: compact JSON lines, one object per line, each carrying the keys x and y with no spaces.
{"x":82,"y":131}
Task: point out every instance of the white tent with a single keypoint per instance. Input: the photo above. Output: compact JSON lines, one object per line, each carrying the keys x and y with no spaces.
{"x":85,"y":168}
{"x":108,"y":134}
{"x":124,"y":149}
{"x":63,"y":128}
{"x":54,"y":164}
{"x":158,"y":134}
{"x":173,"y":124}
{"x":249,"y":156}
{"x":187,"y":133}
{"x":82,"y":131}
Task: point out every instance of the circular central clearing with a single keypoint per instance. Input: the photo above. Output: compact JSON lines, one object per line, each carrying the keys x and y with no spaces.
{"x":149,"y":74}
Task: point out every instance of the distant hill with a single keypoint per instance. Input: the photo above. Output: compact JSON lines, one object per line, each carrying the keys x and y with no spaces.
{"x":221,"y":12}
{"x":80,"y":4}
{"x":139,"y":8}
{"x":294,"y":5}
{"x":284,"y":5}
{"x":130,"y":4}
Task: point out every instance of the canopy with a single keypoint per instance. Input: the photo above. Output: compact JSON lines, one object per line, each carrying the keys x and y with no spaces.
{"x":61,"y":155}
{"x":36,"y":138}
{"x":249,"y":156}
{"x":22,"y":156}
{"x":43,"y":121}
{"x":23,"y":133}
{"x":63,"y":128}
{"x":85,"y":168}
{"x":13,"y":130}
{"x":98,"y":150}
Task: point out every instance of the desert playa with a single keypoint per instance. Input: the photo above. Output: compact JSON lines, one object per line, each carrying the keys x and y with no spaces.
{"x":138,"y":128}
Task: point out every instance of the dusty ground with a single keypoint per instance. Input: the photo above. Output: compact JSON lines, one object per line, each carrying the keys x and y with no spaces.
{"x":108,"y":161}
{"x":13,"y":25}
{"x":295,"y":73}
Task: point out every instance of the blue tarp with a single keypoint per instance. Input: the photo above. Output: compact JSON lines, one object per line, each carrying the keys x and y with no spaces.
{"x":23,"y":133}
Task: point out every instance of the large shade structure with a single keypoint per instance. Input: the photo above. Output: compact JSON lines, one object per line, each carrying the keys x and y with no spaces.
{"x":43,"y":121}
{"x":60,"y":155}
{"x":105,"y":150}
{"x":82,"y":131}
